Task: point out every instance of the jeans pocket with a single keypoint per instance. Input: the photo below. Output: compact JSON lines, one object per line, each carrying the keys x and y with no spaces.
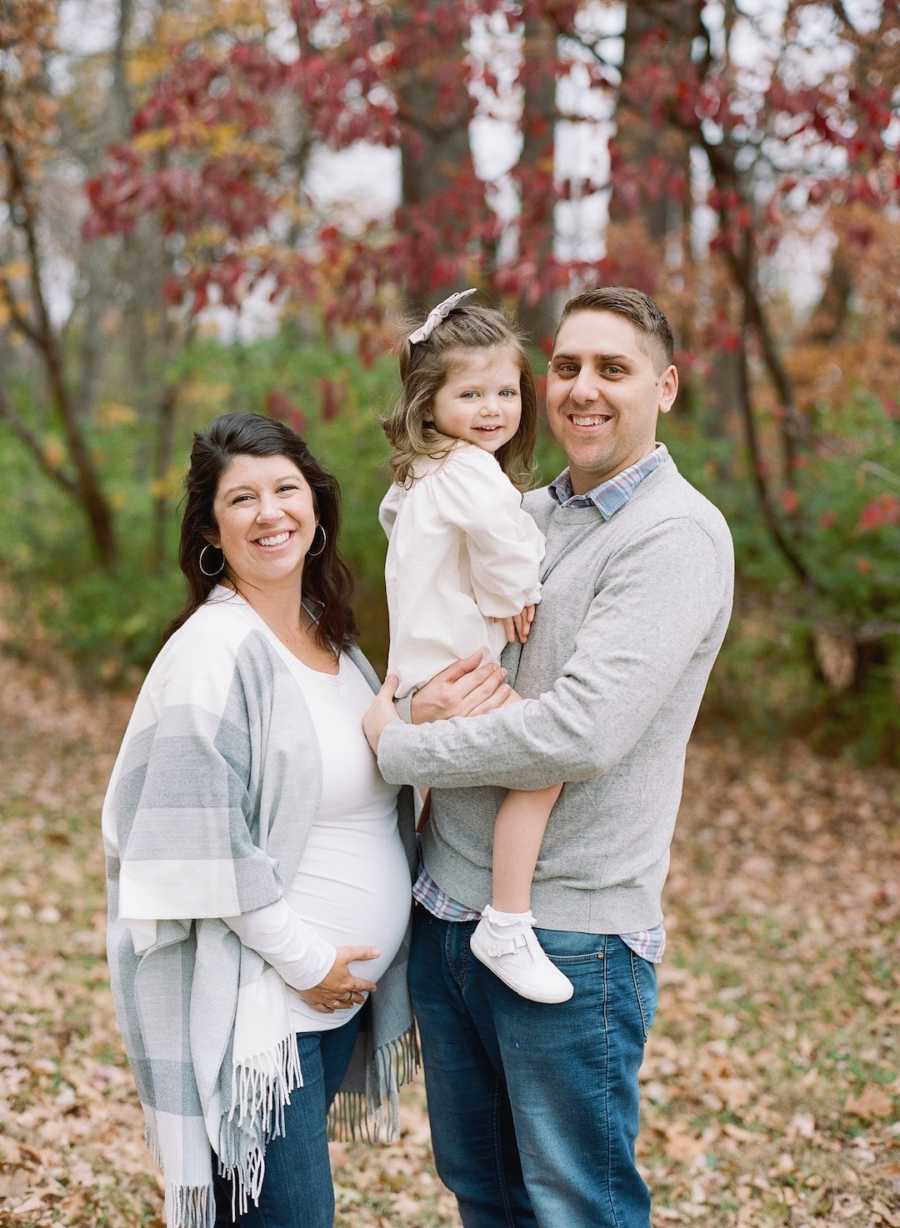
{"x":643,"y":975}
{"x":568,"y":947}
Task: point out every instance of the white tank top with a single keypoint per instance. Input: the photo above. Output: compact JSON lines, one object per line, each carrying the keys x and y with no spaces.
{"x":352,"y":885}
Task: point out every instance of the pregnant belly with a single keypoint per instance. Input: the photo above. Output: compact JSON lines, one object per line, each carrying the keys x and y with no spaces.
{"x":355,"y":893}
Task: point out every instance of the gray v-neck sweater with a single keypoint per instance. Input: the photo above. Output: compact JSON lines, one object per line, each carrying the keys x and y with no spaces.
{"x":633,"y":613}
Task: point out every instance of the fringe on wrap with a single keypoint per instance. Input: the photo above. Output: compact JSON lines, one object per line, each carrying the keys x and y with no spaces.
{"x":262,"y":1087}
{"x":186,"y":1206}
{"x":374,"y":1115}
{"x":190,"y":1206}
{"x":151,"y":1138}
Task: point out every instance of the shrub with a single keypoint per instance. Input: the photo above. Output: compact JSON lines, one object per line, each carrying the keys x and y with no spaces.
{"x":775,"y":675}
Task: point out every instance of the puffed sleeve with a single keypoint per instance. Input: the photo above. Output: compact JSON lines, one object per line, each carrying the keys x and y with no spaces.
{"x":505,"y":546}
{"x":390,"y":507}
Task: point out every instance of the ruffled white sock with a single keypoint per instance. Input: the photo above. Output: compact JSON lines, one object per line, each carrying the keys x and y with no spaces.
{"x":494,"y":916}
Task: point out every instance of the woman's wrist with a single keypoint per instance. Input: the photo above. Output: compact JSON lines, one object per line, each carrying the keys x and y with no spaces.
{"x":312,"y":969}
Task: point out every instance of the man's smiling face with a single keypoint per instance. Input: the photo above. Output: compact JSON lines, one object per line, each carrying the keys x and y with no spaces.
{"x":606,"y":385}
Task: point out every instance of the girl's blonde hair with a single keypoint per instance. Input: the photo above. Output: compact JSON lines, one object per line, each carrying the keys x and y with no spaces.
{"x":423,"y":370}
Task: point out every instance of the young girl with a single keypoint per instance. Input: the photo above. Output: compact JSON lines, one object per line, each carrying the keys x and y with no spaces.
{"x":462,"y":570}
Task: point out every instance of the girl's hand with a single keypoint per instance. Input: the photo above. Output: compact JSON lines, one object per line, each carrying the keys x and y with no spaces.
{"x":381,"y":712}
{"x":523,"y":621}
{"x":518,"y":626}
{"x":341,"y":987}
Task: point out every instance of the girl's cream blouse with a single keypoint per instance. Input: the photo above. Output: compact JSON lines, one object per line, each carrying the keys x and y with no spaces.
{"x":461,"y":550}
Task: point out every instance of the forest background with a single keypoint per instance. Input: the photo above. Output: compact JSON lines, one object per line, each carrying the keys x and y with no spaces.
{"x":233,"y":204}
{"x":211,"y":206}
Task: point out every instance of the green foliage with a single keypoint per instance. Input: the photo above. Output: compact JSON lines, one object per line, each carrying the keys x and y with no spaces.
{"x":768,"y":680}
{"x":773,"y":675}
{"x":110,"y":624}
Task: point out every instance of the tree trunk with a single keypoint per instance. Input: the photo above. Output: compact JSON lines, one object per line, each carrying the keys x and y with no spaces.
{"x":438,"y":178}
{"x":165,"y":441}
{"x":38,"y":331}
{"x":91,"y":350}
{"x":828,"y":318}
{"x":534,"y":173}
{"x":651,"y":159}
{"x":757,"y":467}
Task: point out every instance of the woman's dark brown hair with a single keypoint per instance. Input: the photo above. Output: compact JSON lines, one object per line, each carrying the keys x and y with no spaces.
{"x":327,"y":584}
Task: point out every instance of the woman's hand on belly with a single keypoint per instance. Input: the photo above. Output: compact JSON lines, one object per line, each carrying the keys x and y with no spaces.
{"x":341,"y":987}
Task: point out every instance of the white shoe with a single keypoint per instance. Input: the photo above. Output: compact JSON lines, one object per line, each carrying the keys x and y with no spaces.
{"x":513,"y":953}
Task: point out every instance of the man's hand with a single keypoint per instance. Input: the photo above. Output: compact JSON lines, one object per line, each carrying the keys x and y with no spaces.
{"x":465,"y":688}
{"x":381,"y":712}
{"x":341,"y":987}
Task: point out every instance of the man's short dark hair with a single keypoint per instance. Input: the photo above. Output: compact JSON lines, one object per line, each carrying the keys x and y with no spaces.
{"x":634,"y":305}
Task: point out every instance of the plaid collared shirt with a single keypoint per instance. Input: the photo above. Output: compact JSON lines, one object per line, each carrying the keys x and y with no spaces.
{"x":608,"y":498}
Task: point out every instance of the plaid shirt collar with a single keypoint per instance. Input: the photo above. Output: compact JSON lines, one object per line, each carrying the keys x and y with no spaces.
{"x":609,"y":497}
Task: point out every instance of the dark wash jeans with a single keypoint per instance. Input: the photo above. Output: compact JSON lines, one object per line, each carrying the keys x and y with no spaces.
{"x":534,"y":1108}
{"x":297,"y":1190}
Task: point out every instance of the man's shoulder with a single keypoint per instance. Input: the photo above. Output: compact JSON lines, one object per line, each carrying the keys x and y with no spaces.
{"x":671,"y":497}
{"x":665,"y":495}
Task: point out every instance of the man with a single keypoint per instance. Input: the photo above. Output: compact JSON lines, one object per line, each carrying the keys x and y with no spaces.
{"x":534,"y":1108}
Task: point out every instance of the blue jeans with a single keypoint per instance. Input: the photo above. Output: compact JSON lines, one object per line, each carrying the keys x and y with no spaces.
{"x":297,"y":1191}
{"x":534,"y":1108}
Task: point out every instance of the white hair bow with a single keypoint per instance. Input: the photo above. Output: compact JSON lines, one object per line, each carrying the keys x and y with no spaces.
{"x":438,"y":314}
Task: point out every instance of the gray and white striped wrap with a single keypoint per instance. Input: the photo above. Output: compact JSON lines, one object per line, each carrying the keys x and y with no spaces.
{"x":206,"y":816}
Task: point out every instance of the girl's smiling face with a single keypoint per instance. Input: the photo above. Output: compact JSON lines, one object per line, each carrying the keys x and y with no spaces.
{"x":480,"y":400}
{"x":266,"y":519}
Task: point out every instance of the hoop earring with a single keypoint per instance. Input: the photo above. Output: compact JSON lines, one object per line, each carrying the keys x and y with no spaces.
{"x":315,"y":554}
{"x":200,"y":562}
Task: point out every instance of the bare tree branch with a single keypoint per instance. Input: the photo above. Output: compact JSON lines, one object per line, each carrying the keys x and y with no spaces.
{"x":32,"y":443}
{"x":41,"y":335}
{"x":20,"y":321}
{"x":757,"y":470}
{"x":837,"y":7}
{"x":120,"y":91}
{"x":580,"y":40}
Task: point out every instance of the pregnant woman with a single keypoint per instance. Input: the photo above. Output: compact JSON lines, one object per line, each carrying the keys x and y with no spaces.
{"x":259,"y":867}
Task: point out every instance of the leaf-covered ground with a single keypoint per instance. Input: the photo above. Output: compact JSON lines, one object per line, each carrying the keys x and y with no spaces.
{"x":771,"y":1078}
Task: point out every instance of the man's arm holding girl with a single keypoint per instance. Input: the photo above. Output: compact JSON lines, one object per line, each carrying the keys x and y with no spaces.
{"x":644,"y":626}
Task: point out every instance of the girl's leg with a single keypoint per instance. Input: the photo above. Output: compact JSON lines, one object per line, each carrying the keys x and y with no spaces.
{"x":518,"y":834}
{"x":504,"y":939}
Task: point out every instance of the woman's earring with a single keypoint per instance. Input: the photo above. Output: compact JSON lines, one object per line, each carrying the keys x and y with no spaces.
{"x":221,"y":568}
{"x":314,"y":554}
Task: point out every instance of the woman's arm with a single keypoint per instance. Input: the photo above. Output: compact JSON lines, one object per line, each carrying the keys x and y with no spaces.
{"x":302,"y":958}
{"x":297,"y":953}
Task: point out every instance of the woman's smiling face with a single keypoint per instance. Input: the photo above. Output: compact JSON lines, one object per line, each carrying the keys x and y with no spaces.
{"x":266,"y":519}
